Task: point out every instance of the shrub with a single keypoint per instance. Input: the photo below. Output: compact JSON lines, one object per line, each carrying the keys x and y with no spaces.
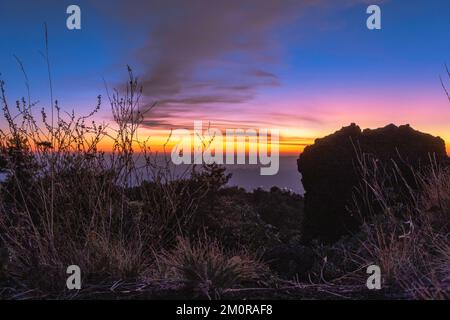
{"x":235,"y":222}
{"x":207,"y":268}
{"x":282,"y":209}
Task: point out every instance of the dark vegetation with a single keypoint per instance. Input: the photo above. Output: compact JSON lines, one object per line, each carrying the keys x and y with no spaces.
{"x":137,"y":229}
{"x":124,"y":215}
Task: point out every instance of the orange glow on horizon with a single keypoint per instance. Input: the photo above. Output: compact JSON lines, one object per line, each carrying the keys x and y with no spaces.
{"x":288,"y":146}
{"x":161,"y":140}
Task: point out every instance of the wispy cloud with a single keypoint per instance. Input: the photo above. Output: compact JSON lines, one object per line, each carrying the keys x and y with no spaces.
{"x":200,"y":55}
{"x":202,"y":52}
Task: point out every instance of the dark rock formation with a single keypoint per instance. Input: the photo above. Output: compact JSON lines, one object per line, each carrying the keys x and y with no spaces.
{"x":329,"y":171}
{"x":290,"y":261}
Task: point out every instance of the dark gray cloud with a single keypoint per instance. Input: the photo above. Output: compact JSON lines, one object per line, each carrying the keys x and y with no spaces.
{"x":201,"y":53}
{"x":222,"y":42}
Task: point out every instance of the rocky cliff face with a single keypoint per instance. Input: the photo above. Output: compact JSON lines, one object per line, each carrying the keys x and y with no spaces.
{"x":329,"y":171}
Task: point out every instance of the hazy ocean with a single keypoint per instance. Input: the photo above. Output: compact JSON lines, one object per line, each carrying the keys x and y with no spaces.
{"x":248,"y":176}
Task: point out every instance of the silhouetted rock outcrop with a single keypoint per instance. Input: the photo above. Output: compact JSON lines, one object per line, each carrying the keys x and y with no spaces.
{"x":329,"y":174}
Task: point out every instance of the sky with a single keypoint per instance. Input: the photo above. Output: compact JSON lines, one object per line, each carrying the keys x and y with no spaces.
{"x":306,"y":68}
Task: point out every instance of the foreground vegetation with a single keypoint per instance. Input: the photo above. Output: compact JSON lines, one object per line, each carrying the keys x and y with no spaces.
{"x":138,"y":229}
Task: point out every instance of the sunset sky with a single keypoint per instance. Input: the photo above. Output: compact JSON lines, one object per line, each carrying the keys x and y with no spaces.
{"x":306,"y":68}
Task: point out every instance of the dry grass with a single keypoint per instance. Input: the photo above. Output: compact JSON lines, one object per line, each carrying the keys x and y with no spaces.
{"x":409,"y":235}
{"x":66,"y":202}
{"x":208,"y":269}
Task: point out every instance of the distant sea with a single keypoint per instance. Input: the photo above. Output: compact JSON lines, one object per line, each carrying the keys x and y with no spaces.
{"x":249,"y":177}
